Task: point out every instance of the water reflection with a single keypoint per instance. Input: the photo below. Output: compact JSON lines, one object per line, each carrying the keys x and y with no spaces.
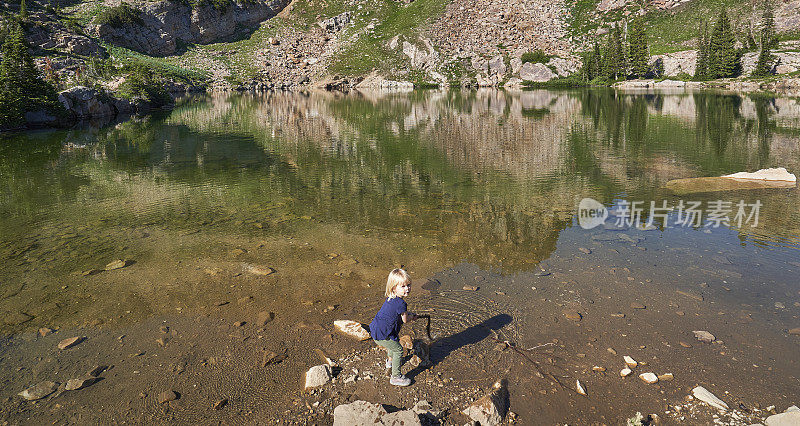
{"x":493,"y":177}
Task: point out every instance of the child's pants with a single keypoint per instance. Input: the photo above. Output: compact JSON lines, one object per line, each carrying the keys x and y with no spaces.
{"x":395,"y":351}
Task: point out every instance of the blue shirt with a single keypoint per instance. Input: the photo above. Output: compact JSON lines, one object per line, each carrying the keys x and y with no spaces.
{"x":387,"y":322}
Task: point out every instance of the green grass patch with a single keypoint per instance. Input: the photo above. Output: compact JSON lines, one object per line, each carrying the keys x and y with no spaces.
{"x":130,"y":59}
{"x":536,"y":57}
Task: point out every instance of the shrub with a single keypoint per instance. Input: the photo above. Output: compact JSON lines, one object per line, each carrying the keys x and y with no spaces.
{"x":119,"y":16}
{"x":220,"y":5}
{"x":141,"y":82}
{"x":535,"y":57}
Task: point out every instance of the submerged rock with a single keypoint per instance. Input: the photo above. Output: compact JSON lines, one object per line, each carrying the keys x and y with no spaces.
{"x":70,"y":342}
{"x":167,"y":396}
{"x":352,"y":328}
{"x":80,"y":383}
{"x":704,"y":336}
{"x":649,"y":378}
{"x":39,"y":390}
{"x":117,"y":264}
{"x":264,"y":317}
{"x":709,"y":398}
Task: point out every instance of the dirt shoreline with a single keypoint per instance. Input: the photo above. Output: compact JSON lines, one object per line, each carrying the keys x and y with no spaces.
{"x":205,"y":357}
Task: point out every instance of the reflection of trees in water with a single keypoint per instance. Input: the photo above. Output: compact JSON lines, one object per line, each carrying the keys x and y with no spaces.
{"x":492,"y":176}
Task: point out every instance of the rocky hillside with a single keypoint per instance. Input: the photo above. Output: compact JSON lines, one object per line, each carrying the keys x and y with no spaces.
{"x":277,"y":43}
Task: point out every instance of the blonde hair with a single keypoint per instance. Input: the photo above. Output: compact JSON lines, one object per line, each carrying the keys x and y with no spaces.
{"x":396,"y":277}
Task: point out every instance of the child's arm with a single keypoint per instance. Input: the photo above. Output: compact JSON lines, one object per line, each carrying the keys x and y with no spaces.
{"x":408,"y":316}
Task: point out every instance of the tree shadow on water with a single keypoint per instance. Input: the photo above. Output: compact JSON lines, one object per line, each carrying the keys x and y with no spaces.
{"x":444,"y":346}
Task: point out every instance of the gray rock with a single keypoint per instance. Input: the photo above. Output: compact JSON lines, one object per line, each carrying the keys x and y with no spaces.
{"x":39,"y":391}
{"x":70,"y":342}
{"x":497,"y":65}
{"x":536,"y":72}
{"x":167,"y":396}
{"x":86,"y":102}
{"x":790,"y":417}
{"x":335,"y":23}
{"x":318,"y":375}
{"x":358,"y":413}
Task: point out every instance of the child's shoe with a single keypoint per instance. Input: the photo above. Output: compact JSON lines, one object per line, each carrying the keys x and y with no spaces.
{"x":389,"y":363}
{"x":400,"y":380}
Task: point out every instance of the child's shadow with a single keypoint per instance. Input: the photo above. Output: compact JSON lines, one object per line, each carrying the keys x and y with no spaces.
{"x":446,"y":345}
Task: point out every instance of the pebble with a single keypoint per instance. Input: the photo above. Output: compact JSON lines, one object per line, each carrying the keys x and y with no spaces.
{"x":572,"y":315}
{"x":635,"y":305}
{"x":470,"y":288}
{"x":680,"y":313}
{"x":630,"y":362}
{"x":709,"y":398}
{"x":690,"y":294}
{"x":666,"y":377}
{"x":70,"y":342}
{"x":245,"y":300}
{"x":238,"y":323}
{"x":625,"y":372}
{"x":167,"y":396}
{"x":685,"y":345}
{"x":97,"y":370}
{"x":598,"y":368}
{"x":584,"y":250}
{"x":612,"y":351}
{"x":795,"y":331}
{"x":44,"y":331}
{"x":220,"y":403}
{"x":579,"y":387}
{"x":649,"y":378}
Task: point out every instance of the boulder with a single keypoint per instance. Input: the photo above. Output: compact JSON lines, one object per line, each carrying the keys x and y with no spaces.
{"x":358,"y":413}
{"x":85,"y":102}
{"x":536,"y":72}
{"x":352,"y":328}
{"x":318,"y":375}
{"x":39,"y":391}
{"x":491,"y":408}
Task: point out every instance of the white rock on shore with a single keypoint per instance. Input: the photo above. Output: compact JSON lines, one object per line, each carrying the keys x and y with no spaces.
{"x":790,"y":417}
{"x":318,"y":375}
{"x":709,"y":398}
{"x":352,"y":328}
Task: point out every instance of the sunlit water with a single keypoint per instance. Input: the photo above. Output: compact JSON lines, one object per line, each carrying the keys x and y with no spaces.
{"x":488,"y":177}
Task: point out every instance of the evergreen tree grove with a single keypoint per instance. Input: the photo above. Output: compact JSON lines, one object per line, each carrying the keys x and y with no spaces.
{"x":768,"y":41}
{"x":637,"y":48}
{"x":614,"y":61}
{"x":21,"y":88}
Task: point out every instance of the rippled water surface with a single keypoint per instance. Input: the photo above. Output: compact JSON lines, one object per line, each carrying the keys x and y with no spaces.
{"x":427,"y":179}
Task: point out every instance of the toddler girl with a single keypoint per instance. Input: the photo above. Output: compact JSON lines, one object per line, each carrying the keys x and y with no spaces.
{"x":385,"y":328}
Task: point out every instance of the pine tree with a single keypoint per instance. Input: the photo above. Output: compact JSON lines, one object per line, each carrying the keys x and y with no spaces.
{"x":768,"y":36}
{"x":701,"y":66}
{"x":637,"y":48}
{"x":23,"y":11}
{"x":768,"y":42}
{"x":723,"y":59}
{"x":614,"y":66}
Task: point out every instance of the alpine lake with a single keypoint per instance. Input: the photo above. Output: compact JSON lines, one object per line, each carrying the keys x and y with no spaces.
{"x":163,"y":239}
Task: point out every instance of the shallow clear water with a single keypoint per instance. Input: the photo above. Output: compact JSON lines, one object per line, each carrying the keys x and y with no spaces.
{"x":487,"y":177}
